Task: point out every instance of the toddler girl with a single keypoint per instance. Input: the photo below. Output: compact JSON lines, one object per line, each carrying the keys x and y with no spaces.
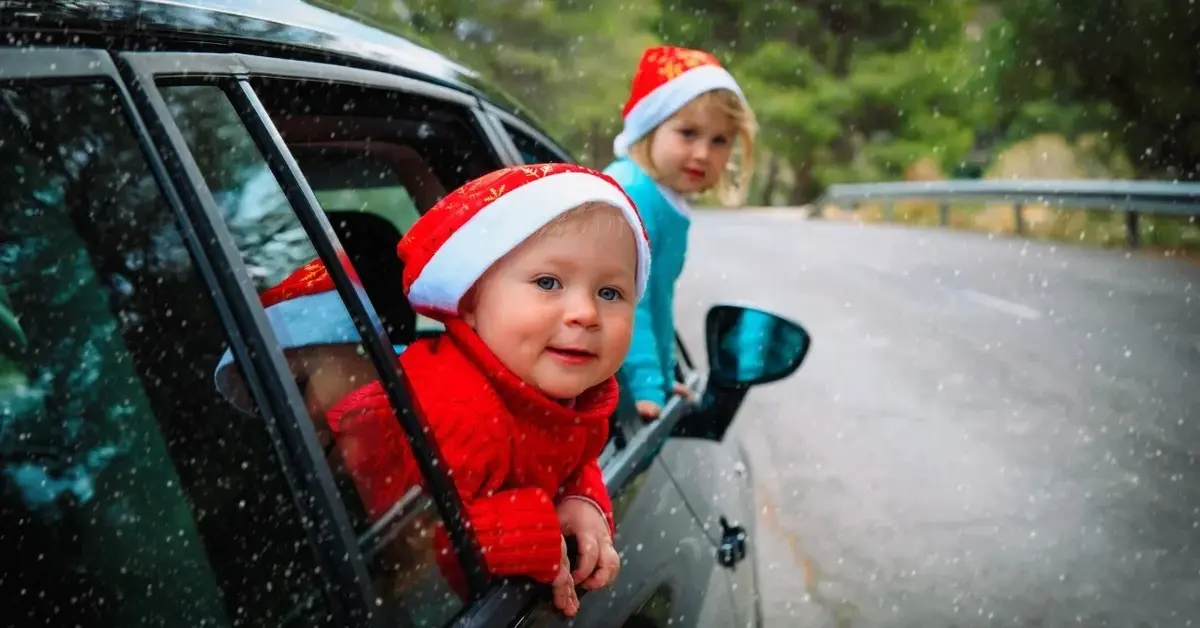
{"x":684,"y":113}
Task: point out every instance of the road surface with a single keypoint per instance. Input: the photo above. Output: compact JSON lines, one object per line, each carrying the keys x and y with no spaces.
{"x":987,"y":431}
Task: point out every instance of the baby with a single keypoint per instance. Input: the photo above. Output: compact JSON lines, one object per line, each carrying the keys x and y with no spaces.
{"x":535,"y":271}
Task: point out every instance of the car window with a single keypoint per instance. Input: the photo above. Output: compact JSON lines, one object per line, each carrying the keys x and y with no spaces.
{"x":132,"y":494}
{"x":377,"y":159}
{"x":374,"y":170}
{"x":532,"y":150}
{"x":333,"y":372}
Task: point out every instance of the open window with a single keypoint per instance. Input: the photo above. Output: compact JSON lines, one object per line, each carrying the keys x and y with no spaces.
{"x":377,"y":159}
{"x":375,"y":187}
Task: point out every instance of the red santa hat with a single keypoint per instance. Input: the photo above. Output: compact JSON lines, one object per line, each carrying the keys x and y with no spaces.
{"x":455,"y":242}
{"x":668,"y":78}
{"x":304,"y":310}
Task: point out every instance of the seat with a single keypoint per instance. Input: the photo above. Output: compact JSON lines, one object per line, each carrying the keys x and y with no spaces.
{"x":370,"y":243}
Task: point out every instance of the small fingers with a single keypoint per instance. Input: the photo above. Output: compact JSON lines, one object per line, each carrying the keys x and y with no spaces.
{"x":565,"y":598}
{"x":607,"y":568}
{"x":589,"y":554}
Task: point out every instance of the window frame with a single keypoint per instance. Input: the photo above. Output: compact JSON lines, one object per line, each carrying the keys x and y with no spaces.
{"x":214,"y":257}
{"x":52,"y":65}
{"x":504,"y":146}
{"x":269,"y":378}
{"x":504,"y":119}
{"x":143,"y":70}
{"x":301,"y":196}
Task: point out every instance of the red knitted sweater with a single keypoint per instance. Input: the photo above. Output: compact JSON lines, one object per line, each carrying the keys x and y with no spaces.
{"x":512,"y":452}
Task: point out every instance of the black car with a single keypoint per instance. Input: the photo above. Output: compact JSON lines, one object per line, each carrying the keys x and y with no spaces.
{"x":163,"y":163}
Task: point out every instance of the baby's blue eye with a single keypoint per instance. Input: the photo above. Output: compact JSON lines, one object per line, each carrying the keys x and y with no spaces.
{"x":610,"y":294}
{"x":547,"y":283}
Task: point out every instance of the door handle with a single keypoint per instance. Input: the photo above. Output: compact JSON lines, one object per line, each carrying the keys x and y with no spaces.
{"x":733,"y":544}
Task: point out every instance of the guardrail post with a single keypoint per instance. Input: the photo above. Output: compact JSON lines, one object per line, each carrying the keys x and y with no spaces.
{"x":1133,"y":235}
{"x":944,"y":214}
{"x":1018,"y":219}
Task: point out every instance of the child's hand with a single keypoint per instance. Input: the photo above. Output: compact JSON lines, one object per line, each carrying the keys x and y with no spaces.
{"x":648,"y":410}
{"x":598,"y":559}
{"x":563,"y":586}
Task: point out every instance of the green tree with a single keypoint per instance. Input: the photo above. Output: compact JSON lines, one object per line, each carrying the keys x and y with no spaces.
{"x":845,"y":91}
{"x":1127,"y":68}
{"x":572,"y":60}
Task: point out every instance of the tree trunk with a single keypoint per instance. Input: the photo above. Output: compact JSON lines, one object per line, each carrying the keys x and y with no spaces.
{"x":597,"y":150}
{"x":803,"y":185}
{"x":772,"y":179}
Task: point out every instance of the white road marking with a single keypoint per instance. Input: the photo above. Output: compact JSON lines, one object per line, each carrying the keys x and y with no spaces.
{"x":1008,"y":307}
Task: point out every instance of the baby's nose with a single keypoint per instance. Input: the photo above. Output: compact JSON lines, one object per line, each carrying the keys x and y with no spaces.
{"x":581,"y":310}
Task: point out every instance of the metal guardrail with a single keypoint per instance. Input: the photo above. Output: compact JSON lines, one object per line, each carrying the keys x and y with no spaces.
{"x":1131,"y":197}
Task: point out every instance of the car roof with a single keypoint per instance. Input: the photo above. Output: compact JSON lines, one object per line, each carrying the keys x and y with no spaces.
{"x":292,"y":27}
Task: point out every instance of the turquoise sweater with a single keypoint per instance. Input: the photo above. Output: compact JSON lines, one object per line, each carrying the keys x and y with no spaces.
{"x":650,"y":366}
{"x":745,"y":352}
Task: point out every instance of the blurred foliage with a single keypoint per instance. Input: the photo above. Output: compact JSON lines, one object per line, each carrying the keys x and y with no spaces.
{"x":854,"y":91}
{"x":1130,"y":69}
{"x":570,"y":60}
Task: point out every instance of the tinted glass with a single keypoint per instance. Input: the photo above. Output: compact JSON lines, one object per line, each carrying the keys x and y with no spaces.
{"x":334,"y":375}
{"x":532,"y":151}
{"x":132,"y":493}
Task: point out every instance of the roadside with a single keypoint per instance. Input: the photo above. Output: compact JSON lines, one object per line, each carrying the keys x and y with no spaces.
{"x":1161,"y":236}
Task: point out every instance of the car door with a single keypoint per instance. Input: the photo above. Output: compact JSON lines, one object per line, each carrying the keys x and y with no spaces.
{"x":134,"y":493}
{"x":668,"y":576}
{"x":715,"y":479}
{"x":231,"y":123}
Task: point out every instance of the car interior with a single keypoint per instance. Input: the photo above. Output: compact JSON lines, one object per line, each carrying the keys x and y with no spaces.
{"x":373,"y":177}
{"x":371,"y":192}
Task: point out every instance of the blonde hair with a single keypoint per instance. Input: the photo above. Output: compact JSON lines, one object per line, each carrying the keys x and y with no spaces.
{"x":730,"y":189}
{"x":593,"y":216}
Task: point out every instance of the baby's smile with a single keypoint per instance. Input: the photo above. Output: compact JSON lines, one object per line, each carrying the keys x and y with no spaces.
{"x":573,"y":356}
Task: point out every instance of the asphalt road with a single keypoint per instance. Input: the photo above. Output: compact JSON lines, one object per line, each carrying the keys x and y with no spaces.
{"x":987,"y":431}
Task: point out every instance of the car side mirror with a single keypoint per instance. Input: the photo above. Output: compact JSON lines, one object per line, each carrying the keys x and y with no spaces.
{"x":747,"y":346}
